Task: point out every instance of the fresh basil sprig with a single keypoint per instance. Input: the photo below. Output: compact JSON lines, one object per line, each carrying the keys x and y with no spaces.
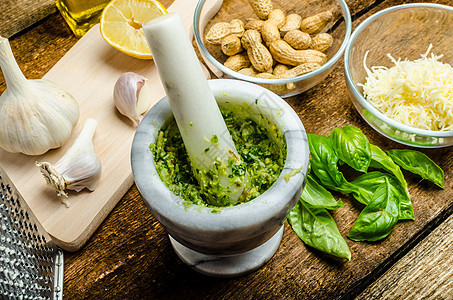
{"x":378,"y":218}
{"x":385,"y":195}
{"x":352,"y":147}
{"x":316,"y":228}
{"x":418,"y":163}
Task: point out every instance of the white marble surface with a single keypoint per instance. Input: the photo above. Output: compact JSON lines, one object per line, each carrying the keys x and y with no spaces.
{"x":235,"y":229}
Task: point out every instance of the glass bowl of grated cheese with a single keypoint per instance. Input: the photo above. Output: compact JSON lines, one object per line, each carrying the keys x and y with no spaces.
{"x":399,"y":74}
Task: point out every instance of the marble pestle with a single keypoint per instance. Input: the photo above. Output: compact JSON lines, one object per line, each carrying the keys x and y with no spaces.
{"x":203,"y":130}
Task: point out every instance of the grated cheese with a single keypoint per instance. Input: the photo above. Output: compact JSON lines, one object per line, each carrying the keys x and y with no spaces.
{"x":416,"y":93}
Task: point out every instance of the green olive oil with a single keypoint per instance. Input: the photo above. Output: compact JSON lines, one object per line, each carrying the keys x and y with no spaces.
{"x":81,"y":15}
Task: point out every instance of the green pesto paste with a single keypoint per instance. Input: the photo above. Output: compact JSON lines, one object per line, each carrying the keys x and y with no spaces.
{"x":259,"y":143}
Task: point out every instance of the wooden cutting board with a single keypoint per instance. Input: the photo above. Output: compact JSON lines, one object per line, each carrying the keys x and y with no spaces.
{"x":89,"y":71}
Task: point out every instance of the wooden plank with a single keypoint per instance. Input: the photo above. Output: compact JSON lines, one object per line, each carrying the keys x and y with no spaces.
{"x":19,"y":14}
{"x":426,"y":272}
{"x":130,"y":256}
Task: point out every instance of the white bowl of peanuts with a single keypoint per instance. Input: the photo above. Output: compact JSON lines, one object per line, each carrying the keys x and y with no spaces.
{"x":284,"y":45}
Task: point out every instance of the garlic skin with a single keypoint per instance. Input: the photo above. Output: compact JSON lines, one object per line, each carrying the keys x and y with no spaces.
{"x":132,"y":96}
{"x":79,"y":167}
{"x":36,"y":115}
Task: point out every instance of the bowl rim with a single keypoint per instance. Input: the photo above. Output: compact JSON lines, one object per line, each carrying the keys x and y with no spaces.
{"x":330,"y":63}
{"x":358,"y":95}
{"x":256,"y":212}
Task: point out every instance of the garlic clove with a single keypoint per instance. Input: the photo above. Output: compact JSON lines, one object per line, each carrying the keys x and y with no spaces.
{"x":79,"y":167}
{"x":36,"y":115}
{"x":144,"y":99}
{"x":132,"y":96}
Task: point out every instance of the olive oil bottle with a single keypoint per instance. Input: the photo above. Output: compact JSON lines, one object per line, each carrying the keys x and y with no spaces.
{"x":81,"y":15}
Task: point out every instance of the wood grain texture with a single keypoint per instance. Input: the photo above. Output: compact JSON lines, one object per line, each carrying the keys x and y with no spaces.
{"x":296,"y":271}
{"x":17,"y":15}
{"x":130,"y":256}
{"x":425,"y":272}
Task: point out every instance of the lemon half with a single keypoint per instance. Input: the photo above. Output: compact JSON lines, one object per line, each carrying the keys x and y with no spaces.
{"x":121,"y":25}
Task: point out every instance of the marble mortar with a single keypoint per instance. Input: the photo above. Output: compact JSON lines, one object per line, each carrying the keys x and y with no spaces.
{"x":238,"y":239}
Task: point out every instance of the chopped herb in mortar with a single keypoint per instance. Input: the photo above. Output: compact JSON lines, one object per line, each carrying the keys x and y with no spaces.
{"x":215,"y":140}
{"x":263,"y":152}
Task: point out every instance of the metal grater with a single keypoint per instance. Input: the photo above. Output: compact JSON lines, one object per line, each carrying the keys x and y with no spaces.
{"x":31,"y":266}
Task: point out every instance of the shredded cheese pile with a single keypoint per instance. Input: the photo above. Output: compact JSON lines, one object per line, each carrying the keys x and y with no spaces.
{"x":416,"y":93}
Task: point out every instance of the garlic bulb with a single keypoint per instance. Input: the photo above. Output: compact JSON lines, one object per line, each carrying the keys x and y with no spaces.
{"x":131,"y":96}
{"x":36,"y":115}
{"x":79,"y":167}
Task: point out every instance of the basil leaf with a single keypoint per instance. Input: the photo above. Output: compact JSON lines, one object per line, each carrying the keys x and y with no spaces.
{"x":367,"y":184}
{"x":378,"y":218}
{"x":316,"y":228}
{"x":380,"y":160}
{"x":352,"y":147}
{"x":317,"y":196}
{"x":345,"y":187}
{"x":323,"y":161}
{"x":418,"y":163}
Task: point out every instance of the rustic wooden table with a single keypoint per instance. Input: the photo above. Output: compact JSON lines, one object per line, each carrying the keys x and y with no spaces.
{"x":130,"y":256}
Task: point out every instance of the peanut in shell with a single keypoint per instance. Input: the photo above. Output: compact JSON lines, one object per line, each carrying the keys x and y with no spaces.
{"x":254,"y":24}
{"x":231,"y":45}
{"x":293,"y":22}
{"x":237,"y":62}
{"x":316,"y":23}
{"x":322,"y":42}
{"x":262,"y":8}
{"x":285,"y":54}
{"x":259,"y":55}
{"x":222,"y":29}
{"x":297,"y":39}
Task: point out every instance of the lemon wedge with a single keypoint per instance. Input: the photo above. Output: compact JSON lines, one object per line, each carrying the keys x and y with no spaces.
{"x":121,"y":25}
